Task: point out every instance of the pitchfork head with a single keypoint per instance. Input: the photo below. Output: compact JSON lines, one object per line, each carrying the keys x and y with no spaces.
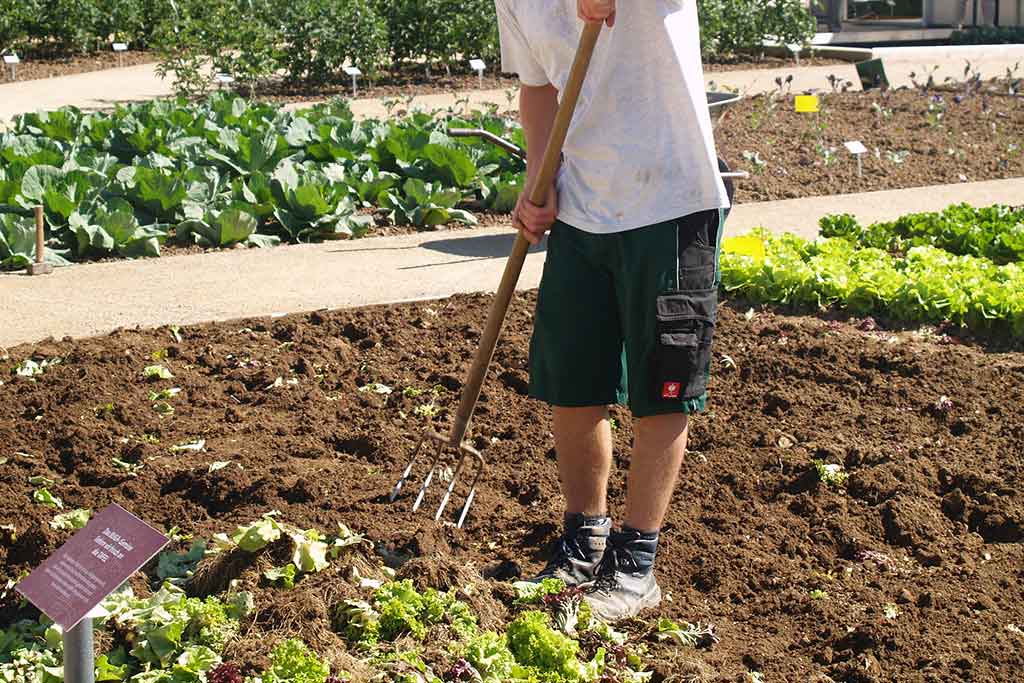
{"x":433,"y":442}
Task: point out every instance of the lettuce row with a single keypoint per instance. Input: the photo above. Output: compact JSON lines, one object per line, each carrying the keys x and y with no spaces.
{"x":994,"y":232}
{"x":926,"y":285}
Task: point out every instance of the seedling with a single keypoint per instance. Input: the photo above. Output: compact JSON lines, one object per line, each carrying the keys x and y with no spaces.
{"x":897,"y":156}
{"x":929,"y":84}
{"x":818,"y":594}
{"x":411,"y":392}
{"x":163,"y":408}
{"x":838,"y":84}
{"x":832,"y":475}
{"x":686,"y":634}
{"x":754,"y":158}
{"x":44,"y":496}
{"x":132,"y":469}
{"x":827,"y":154}
{"x":73,"y":519}
{"x":104,"y":411}
{"x":163,"y":394}
{"x":427,"y":410}
{"x":156,"y":372}
{"x":30,"y":368}
{"x":890,"y":610}
{"x":175,"y":333}
{"x":936,"y":111}
{"x":883,"y":113}
{"x":193,"y":446}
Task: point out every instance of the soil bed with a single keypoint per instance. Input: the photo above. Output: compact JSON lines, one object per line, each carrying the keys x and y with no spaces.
{"x":919,"y":559}
{"x":50,"y":67}
{"x":405,"y":82}
{"x":802,"y":155}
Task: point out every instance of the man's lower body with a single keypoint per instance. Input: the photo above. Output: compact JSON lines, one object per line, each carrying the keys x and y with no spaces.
{"x":623,"y":318}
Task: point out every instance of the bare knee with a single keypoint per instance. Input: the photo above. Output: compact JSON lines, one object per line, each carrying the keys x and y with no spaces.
{"x":661,"y":426}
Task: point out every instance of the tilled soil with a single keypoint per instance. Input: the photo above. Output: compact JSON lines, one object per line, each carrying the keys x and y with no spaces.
{"x":791,"y":154}
{"x":919,"y":560}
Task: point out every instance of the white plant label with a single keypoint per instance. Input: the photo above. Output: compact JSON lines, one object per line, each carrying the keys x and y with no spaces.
{"x":477,"y":64}
{"x":353,"y":71}
{"x":224,"y":78}
{"x":12,"y":59}
{"x":120,"y":47}
{"x":855,"y":147}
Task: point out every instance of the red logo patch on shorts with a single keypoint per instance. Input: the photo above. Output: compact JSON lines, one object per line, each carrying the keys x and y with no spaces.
{"x":670,"y":390}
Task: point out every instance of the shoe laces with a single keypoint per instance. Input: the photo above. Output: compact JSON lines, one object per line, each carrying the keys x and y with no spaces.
{"x":616,"y":559}
{"x":567,"y":549}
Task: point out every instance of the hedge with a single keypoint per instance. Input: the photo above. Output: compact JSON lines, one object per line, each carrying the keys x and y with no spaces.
{"x":310,"y":40}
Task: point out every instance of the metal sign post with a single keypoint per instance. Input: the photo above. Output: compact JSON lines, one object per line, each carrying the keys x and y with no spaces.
{"x":79,"y":664}
{"x":119,"y":50}
{"x":355,"y":73}
{"x":12,"y":61}
{"x":479,"y":67}
{"x":857,"y":149}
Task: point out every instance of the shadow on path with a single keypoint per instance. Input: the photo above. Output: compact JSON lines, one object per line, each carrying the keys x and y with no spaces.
{"x":482,"y":247}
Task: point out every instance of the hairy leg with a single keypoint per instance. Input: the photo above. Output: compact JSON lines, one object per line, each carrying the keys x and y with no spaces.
{"x":583,"y":441}
{"x":659,"y":443}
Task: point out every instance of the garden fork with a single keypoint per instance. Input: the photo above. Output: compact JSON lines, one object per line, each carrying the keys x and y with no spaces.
{"x":496,"y":317}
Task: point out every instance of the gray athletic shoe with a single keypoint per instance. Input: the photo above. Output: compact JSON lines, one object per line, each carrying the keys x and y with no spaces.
{"x":578,"y":552}
{"x":625,"y":583}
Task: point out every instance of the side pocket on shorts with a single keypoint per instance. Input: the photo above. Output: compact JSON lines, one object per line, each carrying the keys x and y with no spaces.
{"x":682,"y":356}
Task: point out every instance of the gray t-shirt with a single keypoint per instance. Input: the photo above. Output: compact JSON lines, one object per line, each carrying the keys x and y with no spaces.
{"x":640,"y":149}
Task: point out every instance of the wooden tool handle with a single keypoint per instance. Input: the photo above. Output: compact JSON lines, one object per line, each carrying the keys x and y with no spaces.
{"x":538,"y":194}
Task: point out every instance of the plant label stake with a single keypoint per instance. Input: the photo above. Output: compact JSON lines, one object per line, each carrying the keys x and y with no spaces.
{"x":795,"y":49}
{"x":74,"y":580}
{"x":355,"y":73}
{"x":807,"y":104}
{"x":431,"y":440}
{"x":40,"y":267}
{"x":12,"y":61}
{"x":479,"y":67}
{"x":120,"y":49}
{"x":223,"y":79}
{"x":857,"y":148}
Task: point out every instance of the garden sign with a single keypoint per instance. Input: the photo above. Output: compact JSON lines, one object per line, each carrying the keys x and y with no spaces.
{"x":91,"y":565}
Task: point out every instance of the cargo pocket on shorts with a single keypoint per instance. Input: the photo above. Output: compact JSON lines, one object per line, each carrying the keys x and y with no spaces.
{"x":697,"y":239}
{"x":682,"y":355}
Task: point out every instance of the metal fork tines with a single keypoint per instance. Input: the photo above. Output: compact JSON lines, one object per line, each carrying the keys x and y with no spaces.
{"x":466,"y":454}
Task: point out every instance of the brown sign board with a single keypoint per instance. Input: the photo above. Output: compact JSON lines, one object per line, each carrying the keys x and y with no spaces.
{"x":91,"y":565}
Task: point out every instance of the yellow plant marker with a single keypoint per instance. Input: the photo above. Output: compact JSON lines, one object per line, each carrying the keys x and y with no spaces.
{"x":745,"y":246}
{"x":807,"y":104}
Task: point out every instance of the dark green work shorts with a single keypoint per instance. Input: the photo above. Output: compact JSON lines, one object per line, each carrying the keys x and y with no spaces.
{"x":628,"y":317}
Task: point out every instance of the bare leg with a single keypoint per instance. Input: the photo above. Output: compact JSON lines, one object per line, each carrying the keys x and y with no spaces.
{"x":583,"y":441}
{"x":658,"y":448}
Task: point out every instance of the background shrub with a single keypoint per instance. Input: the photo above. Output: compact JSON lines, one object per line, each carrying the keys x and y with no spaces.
{"x":729,"y":27}
{"x":319,"y":36}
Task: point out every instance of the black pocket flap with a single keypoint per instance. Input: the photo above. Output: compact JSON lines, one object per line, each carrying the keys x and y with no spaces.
{"x":688,"y":340}
{"x":694,"y":305}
